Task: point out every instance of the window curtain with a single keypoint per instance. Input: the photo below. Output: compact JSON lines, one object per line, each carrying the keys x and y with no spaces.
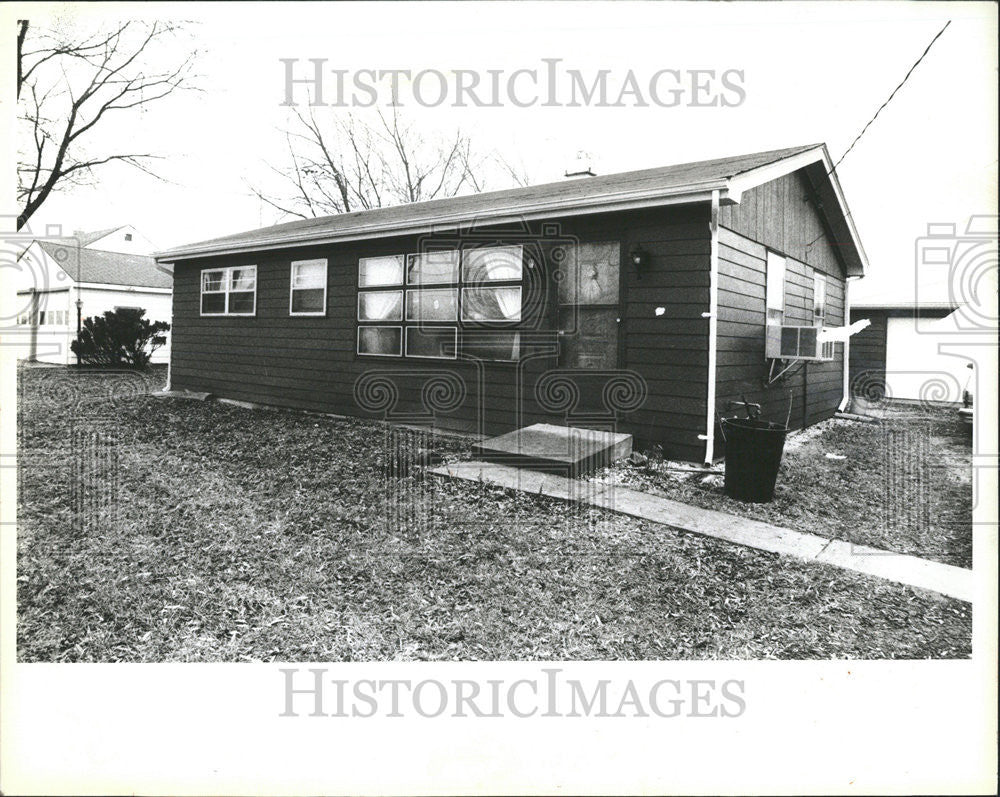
{"x":491,"y":304}
{"x":509,"y":300}
{"x":243,"y":279}
{"x":433,"y":268}
{"x":382,"y":271}
{"x":381,"y":306}
{"x":310,"y":275}
{"x":493,"y":265}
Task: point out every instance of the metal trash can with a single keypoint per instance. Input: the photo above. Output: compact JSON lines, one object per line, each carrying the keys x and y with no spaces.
{"x":753,"y":456}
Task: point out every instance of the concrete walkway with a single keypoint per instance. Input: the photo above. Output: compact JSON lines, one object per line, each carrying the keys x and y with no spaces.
{"x":955,"y":582}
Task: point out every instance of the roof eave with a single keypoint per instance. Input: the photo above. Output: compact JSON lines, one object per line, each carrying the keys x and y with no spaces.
{"x":855,"y":266}
{"x":731,"y":189}
{"x":700,"y":192}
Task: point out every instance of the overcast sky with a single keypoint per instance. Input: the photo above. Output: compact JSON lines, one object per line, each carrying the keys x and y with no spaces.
{"x":811,"y":73}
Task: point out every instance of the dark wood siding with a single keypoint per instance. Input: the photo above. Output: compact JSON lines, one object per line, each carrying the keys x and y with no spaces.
{"x":779,"y":215}
{"x":310,"y":362}
{"x":867,"y":357}
{"x":782,"y":215}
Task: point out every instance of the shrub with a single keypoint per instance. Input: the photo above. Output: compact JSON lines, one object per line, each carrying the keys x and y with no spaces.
{"x":121,"y":338}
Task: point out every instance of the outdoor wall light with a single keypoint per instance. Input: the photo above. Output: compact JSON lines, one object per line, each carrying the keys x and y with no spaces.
{"x":639,"y":257}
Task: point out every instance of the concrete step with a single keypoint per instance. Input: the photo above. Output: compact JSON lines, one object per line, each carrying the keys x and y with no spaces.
{"x":563,"y":450}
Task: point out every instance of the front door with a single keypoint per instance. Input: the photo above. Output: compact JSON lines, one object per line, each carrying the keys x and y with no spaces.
{"x":588,"y":307}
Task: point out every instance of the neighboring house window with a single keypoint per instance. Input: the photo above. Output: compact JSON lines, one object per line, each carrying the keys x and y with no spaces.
{"x":775,"y":288}
{"x":414,"y":306}
{"x":819,"y":299}
{"x":125,"y":307}
{"x":308,"y":288}
{"x":229,"y":291}
{"x":128,"y":236}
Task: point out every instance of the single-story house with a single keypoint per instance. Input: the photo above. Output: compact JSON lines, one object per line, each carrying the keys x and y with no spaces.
{"x":645,"y":301}
{"x":86,"y":274}
{"x":910,"y":352}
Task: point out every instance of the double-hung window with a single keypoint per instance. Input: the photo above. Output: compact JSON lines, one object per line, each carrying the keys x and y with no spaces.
{"x":307,"y":288}
{"x":435,"y":303}
{"x":229,"y":291}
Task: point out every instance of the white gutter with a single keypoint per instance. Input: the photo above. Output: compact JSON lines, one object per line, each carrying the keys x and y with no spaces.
{"x":713,"y":329}
{"x":113,"y":286}
{"x":846,"y":397}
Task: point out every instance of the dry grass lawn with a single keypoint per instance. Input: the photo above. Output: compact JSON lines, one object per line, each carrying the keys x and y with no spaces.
{"x":173,"y":530}
{"x":903,"y":484}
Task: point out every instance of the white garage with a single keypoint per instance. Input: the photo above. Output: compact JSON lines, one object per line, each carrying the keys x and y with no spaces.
{"x":915,"y":351}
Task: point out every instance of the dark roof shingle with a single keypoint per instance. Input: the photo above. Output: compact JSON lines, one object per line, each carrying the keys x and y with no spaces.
{"x":110,"y":268}
{"x":566,"y":193}
{"x":87,"y":238}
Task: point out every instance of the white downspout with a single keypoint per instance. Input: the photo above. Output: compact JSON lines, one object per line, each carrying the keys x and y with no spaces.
{"x":713,"y":324}
{"x":170,"y":360}
{"x":846,"y":397}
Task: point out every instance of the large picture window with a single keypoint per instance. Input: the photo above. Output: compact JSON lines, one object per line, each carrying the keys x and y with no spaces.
{"x":229,"y":291}
{"x":307,"y":288}
{"x":436,"y":304}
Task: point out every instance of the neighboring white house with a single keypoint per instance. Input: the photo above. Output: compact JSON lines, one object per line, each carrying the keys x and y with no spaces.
{"x":101,"y":271}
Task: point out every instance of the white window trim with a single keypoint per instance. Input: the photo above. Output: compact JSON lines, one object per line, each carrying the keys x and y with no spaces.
{"x":458,"y":284}
{"x":383,"y":286}
{"x":470,"y":252}
{"x":445,"y":283}
{"x":406,"y":343}
{"x":292,"y":288}
{"x":421,"y":289}
{"x":381,"y":322}
{"x":495,"y":286}
{"x":402,"y":341}
{"x":227,"y":281}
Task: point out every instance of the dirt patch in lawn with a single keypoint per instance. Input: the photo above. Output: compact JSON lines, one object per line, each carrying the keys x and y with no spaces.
{"x":175,"y":530}
{"x":903,"y":484}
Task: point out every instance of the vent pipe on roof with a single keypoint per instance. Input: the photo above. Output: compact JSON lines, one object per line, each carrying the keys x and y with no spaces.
{"x":582,"y":165}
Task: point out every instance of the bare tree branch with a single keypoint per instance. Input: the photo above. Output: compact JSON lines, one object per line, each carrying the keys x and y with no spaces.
{"x":341,"y":164}
{"x":107,"y":71}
